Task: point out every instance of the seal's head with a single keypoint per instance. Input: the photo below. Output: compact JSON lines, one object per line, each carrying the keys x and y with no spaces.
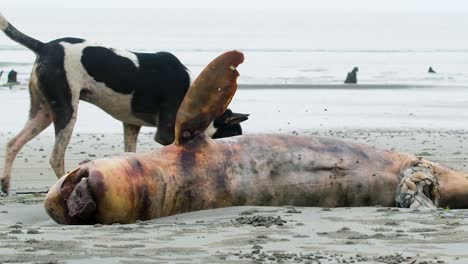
{"x":120,"y":189}
{"x":71,"y":189}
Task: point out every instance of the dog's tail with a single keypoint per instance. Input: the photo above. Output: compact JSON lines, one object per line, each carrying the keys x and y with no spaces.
{"x":16,"y":35}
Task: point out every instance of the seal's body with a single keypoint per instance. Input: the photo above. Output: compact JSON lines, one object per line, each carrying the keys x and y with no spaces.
{"x":245,"y":170}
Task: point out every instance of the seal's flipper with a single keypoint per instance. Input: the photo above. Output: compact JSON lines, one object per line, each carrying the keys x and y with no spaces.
{"x":208,"y":96}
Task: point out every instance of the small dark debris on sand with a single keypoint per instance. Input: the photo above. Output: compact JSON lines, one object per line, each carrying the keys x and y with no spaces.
{"x":422,"y":230}
{"x":392,"y":223}
{"x":423,"y":154}
{"x":343,"y":229}
{"x":260,"y":220}
{"x":291,"y":210}
{"x":259,"y":256}
{"x":33,"y":231}
{"x":249,"y":212}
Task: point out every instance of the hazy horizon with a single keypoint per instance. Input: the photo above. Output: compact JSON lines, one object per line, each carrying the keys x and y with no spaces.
{"x":297,"y":42}
{"x":418,"y":6}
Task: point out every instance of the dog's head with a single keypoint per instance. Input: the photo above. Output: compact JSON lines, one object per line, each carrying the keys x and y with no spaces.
{"x":356,"y":69}
{"x":227,"y":125}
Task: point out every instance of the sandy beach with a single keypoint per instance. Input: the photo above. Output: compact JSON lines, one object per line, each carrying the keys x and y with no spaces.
{"x":244,"y":235}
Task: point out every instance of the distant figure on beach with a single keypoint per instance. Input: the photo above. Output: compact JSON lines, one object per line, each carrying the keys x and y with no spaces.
{"x":431,"y":70}
{"x":352,"y":76}
{"x":1,"y":73}
{"x":12,"y":77}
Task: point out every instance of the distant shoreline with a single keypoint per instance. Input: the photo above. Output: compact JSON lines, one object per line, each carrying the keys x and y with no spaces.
{"x":340,"y":86}
{"x":23,"y":86}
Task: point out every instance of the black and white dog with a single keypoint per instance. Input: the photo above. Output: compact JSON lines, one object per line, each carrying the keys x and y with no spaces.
{"x":139,"y":89}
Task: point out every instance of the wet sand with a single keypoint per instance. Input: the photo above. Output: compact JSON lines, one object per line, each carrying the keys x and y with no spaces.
{"x":307,"y":235}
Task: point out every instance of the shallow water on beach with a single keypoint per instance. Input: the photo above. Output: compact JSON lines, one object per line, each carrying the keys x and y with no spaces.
{"x":281,"y":46}
{"x":287,"y":110}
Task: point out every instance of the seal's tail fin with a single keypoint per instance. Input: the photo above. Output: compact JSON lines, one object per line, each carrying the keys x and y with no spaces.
{"x":208,"y":96}
{"x":16,"y":35}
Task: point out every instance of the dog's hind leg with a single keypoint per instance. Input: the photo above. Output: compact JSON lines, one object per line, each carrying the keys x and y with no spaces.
{"x":39,"y":119}
{"x":61,"y":84}
{"x":130,"y":137}
{"x":64,"y":122}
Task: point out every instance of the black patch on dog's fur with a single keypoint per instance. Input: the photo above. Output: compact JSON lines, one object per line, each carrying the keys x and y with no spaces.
{"x":162,"y":83}
{"x":67,"y":40}
{"x":54,"y":84}
{"x":116,"y":72}
{"x":158,"y":84}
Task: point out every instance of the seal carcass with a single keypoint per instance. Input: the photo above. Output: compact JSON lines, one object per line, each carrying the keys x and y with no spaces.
{"x":197,"y":172}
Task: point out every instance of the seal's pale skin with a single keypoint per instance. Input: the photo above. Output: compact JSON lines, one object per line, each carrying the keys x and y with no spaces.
{"x":245,"y":170}
{"x":199,"y":173}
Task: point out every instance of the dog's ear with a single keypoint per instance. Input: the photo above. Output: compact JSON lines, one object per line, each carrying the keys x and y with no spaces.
{"x":236,"y":118}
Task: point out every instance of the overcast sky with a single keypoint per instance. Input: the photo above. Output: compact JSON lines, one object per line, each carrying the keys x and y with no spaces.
{"x":437,"y":6}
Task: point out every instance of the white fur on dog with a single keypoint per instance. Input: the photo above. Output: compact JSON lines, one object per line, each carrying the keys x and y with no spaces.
{"x":116,"y":104}
{"x":3,"y":22}
{"x":127,"y":54}
{"x":210,"y":130}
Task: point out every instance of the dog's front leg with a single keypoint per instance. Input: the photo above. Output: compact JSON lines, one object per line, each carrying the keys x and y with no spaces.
{"x":130,"y":137}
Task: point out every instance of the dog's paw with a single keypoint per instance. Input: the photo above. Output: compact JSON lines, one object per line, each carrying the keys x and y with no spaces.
{"x":5,"y":186}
